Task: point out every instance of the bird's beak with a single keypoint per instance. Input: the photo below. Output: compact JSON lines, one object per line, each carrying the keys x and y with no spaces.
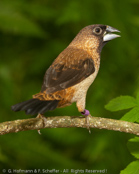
{"x":109,"y":35}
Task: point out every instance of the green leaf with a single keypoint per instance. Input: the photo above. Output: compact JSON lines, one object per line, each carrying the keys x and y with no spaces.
{"x":133,"y":146}
{"x":137,"y":120}
{"x":132,"y":168}
{"x":138,"y":98}
{"x":132,"y":115}
{"x":120,"y":103}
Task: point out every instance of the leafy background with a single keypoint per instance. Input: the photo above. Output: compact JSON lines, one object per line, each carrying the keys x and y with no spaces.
{"x":32,"y":34}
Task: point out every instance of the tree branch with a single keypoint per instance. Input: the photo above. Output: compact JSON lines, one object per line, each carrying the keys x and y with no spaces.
{"x":68,"y":121}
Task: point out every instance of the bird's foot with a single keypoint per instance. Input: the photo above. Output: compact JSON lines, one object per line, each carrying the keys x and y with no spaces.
{"x":41,"y":116}
{"x":86,"y":113}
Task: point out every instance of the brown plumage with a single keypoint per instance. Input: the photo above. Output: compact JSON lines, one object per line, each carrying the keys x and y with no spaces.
{"x":72,"y":72}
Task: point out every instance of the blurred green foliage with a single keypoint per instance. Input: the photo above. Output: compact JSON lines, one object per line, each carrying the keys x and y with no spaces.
{"x":133,"y":167}
{"x":32,"y":34}
{"x":122,"y":103}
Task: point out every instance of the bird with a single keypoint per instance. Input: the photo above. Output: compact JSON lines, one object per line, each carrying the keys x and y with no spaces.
{"x":73,"y":71}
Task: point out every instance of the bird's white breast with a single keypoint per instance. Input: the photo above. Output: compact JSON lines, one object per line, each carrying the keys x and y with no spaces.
{"x":82,"y":87}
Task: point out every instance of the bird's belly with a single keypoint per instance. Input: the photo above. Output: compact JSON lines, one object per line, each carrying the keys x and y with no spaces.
{"x":78,"y":92}
{"x":82,"y":87}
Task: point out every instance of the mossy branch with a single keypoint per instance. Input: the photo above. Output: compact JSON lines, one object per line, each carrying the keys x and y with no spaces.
{"x":69,"y":122}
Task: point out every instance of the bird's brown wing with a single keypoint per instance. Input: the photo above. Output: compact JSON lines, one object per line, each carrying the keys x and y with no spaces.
{"x":71,"y":67}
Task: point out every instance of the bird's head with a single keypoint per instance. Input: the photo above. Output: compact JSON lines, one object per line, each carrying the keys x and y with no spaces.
{"x":96,"y":35}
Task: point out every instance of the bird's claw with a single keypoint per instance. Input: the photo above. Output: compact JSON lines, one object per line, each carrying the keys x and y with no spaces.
{"x":86,"y":113}
{"x":43,"y":118}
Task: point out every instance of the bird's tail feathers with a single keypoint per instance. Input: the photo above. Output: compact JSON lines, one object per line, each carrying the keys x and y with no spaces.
{"x":35,"y":106}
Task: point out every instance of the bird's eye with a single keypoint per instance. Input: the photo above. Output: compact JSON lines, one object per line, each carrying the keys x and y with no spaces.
{"x":97,"y":30}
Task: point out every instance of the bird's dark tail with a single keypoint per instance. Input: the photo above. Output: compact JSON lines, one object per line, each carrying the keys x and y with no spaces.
{"x":35,"y":106}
